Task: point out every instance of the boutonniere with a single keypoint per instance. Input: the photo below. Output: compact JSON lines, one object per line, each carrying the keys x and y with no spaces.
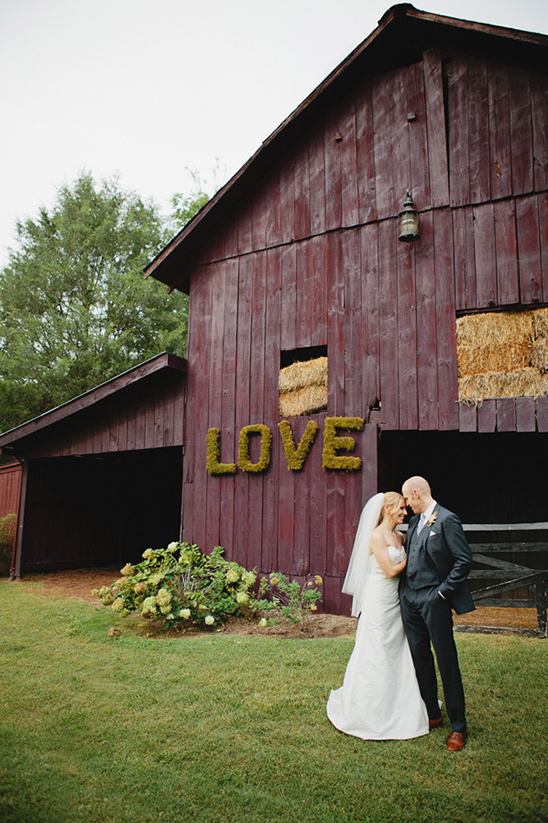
{"x":432,"y":519}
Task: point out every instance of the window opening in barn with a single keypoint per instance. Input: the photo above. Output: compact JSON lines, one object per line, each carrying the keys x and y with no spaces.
{"x":502,"y":354}
{"x":303,"y":381}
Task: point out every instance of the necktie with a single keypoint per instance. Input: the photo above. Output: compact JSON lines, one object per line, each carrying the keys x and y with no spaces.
{"x":422,"y":522}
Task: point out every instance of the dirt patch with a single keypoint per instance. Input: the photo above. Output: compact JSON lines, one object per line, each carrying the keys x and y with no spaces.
{"x":80,"y":583}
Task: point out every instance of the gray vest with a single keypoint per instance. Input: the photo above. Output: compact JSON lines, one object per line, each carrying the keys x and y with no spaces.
{"x":420,"y":571}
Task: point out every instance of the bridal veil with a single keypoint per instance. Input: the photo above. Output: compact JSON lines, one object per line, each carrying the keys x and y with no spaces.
{"x":358,"y":568}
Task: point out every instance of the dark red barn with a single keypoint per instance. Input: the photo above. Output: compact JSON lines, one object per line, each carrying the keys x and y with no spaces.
{"x":299,"y":256}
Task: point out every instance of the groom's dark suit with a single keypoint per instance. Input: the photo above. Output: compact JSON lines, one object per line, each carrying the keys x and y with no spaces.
{"x":434,"y":582}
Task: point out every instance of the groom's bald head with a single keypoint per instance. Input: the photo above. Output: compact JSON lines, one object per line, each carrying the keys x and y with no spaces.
{"x":417,"y":493}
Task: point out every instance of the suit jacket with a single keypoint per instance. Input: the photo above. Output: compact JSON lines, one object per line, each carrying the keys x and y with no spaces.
{"x":448,"y":554}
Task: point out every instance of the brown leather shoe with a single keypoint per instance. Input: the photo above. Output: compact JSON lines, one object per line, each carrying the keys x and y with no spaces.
{"x":456,"y":741}
{"x":437,"y":723}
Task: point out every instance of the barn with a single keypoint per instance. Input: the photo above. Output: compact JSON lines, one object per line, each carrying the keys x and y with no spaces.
{"x":299,"y":258}
{"x":101,"y":475}
{"x":368,"y":300}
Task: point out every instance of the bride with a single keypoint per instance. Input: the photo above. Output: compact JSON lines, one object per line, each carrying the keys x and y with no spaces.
{"x":379,"y":698}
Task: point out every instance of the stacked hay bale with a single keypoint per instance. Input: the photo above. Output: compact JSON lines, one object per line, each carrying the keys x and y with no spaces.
{"x":502,"y":354}
{"x":303,"y":388}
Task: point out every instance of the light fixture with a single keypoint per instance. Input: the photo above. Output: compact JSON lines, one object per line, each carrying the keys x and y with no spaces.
{"x":409,"y":220}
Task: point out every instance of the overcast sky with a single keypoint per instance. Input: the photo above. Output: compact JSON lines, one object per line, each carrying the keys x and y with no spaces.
{"x":147,"y":89}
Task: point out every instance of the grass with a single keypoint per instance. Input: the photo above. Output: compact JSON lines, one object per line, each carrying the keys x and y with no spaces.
{"x":225,"y":728}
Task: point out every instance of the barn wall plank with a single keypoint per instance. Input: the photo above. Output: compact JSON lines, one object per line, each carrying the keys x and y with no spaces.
{"x":426,"y":328}
{"x":435,"y":119}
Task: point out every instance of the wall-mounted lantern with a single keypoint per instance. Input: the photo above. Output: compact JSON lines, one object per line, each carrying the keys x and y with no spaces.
{"x":409,"y":220}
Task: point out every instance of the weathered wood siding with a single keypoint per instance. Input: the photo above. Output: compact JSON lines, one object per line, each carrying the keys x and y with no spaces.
{"x":10,"y":484}
{"x":313,"y":258}
{"x":131,"y":420}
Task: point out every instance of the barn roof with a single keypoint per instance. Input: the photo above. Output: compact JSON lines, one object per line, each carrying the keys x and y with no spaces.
{"x":161,"y":363}
{"x":399,"y":39}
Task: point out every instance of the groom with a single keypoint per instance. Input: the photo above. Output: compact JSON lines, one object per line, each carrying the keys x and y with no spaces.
{"x":434,"y":582}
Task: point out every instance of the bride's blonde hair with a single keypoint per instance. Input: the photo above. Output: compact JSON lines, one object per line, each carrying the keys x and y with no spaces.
{"x":392,"y":501}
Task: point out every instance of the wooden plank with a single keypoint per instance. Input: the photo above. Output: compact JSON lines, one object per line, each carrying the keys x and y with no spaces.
{"x":289,"y":299}
{"x":278,"y":469}
{"x":499,"y":131}
{"x":349,"y":164}
{"x":521,"y":131}
{"x":528,"y":235}
{"x":435,"y":122}
{"x":318,"y":485}
{"x":317,"y":183}
{"x":353,"y":344}
{"x":365,"y":151}
{"x":302,"y":193}
{"x":198,"y":400}
{"x":332,"y":601}
{"x":305,"y":279}
{"x":407,"y":337}
{"x":370,"y":317}
{"x":426,"y":327}
{"x":244,"y":225}
{"x":273,"y":208}
{"x":525,"y":414}
{"x":465,"y":262}
{"x":287,"y":200}
{"x":506,"y":252}
{"x":543,"y":223}
{"x":335,"y":325}
{"x":301,"y":534}
{"x":457,"y":124}
{"x":215,"y":400}
{"x":506,"y":414}
{"x":467,"y":418}
{"x":542,"y":414}
{"x":243,"y":370}
{"x":485,"y":256}
{"x":259,"y":347}
{"x":539,"y":108}
{"x":335,"y":517}
{"x":258,"y":225}
{"x":446,"y":334}
{"x":388,"y":325}
{"x":486,"y":416}
{"x":227,"y":424}
{"x":478,"y":131}
{"x":318,"y":298}
{"x":286,"y":490}
{"x":332,"y":153}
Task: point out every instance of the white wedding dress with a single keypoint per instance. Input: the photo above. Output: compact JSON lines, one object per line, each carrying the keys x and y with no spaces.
{"x":380,"y":698}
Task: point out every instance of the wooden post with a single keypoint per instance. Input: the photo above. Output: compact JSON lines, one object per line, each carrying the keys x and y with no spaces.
{"x":540,"y":592}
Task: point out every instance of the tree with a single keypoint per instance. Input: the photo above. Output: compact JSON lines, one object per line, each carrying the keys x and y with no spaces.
{"x":185,"y":206}
{"x":75,"y":309}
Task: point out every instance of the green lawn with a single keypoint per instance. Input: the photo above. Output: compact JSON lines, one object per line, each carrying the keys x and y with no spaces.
{"x":225,"y":728}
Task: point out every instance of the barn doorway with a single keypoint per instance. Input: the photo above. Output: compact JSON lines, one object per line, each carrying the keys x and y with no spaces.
{"x":100,"y":510}
{"x":484,"y":478}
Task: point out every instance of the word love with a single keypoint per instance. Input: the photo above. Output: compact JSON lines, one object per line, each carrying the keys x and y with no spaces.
{"x":295,"y":454}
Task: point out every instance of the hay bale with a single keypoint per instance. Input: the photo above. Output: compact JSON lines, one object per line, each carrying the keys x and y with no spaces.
{"x":303,"y":387}
{"x":527,"y":382}
{"x":502,"y":354}
{"x":307,"y":400}
{"x":305,"y":373}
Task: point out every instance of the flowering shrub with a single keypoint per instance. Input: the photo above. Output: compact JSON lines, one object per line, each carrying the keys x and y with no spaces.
{"x":182,"y":586}
{"x":289,"y":599}
{"x":7,"y":536}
